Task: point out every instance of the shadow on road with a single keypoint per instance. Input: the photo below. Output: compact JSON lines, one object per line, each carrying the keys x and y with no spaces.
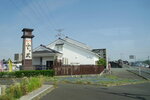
{"x":134,"y":96}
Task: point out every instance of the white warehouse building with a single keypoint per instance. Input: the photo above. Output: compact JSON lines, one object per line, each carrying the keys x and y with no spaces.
{"x":66,"y":50}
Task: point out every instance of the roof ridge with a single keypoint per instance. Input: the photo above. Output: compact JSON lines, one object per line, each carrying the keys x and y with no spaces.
{"x":65,"y":39}
{"x":48,"y":48}
{"x":75,"y":40}
{"x":81,"y":47}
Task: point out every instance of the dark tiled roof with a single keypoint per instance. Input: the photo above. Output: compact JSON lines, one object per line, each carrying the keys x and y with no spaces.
{"x":97,"y":50}
{"x":46,"y":50}
{"x":60,"y":44}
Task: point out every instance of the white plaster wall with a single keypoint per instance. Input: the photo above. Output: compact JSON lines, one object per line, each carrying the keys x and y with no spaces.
{"x":47,"y":59}
{"x":78,"y":55}
{"x":36,"y":61}
{"x":75,"y":54}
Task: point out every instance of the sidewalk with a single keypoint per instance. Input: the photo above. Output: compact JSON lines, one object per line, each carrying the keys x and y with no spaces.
{"x":124,"y":73}
{"x":37,"y":94}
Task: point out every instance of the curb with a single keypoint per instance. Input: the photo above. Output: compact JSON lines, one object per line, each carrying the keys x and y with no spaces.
{"x":127,"y":83}
{"x":102,"y":73}
{"x":37,"y":94}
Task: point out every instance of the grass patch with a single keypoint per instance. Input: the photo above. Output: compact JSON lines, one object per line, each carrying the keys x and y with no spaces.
{"x":105,"y":80}
{"x":111,"y":77}
{"x":111,"y":80}
{"x":17,"y":90}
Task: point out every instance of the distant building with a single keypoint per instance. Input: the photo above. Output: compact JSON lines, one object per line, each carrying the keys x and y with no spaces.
{"x":18,"y":58}
{"x":100,"y":52}
{"x":132,"y":57}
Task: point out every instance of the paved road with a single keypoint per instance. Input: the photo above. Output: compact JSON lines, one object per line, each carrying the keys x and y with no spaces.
{"x":89,"y":92}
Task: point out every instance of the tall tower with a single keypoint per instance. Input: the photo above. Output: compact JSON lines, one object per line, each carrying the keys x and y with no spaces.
{"x":27,"y":49}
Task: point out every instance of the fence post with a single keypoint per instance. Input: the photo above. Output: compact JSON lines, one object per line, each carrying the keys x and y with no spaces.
{"x":139,"y":71}
{"x":0,"y":90}
{"x":71,"y":71}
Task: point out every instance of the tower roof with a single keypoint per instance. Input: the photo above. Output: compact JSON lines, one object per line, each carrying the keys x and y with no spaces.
{"x":27,"y":30}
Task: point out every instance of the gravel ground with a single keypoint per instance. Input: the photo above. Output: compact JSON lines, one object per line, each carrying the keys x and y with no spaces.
{"x":9,"y":81}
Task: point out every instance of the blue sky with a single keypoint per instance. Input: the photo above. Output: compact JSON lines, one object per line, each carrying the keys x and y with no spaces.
{"x":121,"y":26}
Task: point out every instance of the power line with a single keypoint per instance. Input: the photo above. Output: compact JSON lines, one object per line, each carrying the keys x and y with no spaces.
{"x":50,"y":14}
{"x":31,"y":9}
{"x":33,"y":12}
{"x":36,"y":10}
{"x":46,"y":14}
{"x":52,"y":18}
{"x":38,"y":14}
{"x":23,"y":14}
{"x":43,"y":14}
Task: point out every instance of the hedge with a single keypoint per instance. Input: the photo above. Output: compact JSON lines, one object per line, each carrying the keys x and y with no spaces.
{"x":7,"y":74}
{"x":25,"y":73}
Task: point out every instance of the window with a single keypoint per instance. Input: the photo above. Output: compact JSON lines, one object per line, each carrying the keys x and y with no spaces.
{"x":65,"y":61}
{"x":59,"y":48}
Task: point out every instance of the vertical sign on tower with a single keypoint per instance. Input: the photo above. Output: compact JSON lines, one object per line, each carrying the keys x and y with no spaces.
{"x":27,"y":49}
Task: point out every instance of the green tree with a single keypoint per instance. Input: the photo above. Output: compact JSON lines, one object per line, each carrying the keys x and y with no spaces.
{"x":101,"y":62}
{"x":147,"y":62}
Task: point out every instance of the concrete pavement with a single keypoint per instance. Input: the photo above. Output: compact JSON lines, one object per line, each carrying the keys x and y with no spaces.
{"x":140,"y":71}
{"x":123,"y":73}
{"x":37,"y":94}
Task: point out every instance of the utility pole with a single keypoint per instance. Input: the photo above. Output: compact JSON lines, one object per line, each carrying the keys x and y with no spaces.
{"x":121,"y":56}
{"x":148,"y":61}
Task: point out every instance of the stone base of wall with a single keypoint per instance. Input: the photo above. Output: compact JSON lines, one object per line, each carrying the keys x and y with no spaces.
{"x":27,"y":65}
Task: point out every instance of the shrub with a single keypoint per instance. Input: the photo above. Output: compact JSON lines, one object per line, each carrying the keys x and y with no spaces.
{"x":101,"y":62}
{"x":34,"y":73}
{"x":27,"y":85}
{"x":6,"y":97}
{"x":7,"y":74}
{"x":25,"y":73}
{"x":34,"y":83}
{"x":24,"y":85}
{"x":14,"y":91}
{"x":2,"y":74}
